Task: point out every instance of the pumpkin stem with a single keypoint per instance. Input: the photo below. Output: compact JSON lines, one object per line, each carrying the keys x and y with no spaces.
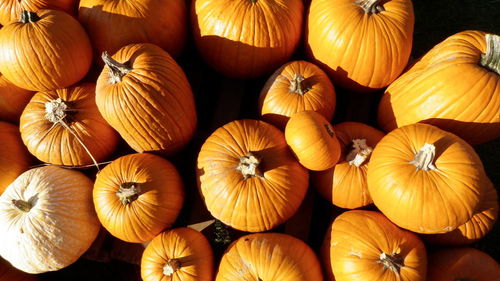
{"x":128,"y":192}
{"x":249,"y":166}
{"x":491,"y":59}
{"x":171,"y":266}
{"x":393,"y":262}
{"x":370,"y":6}
{"x":424,"y":158}
{"x":118,"y":70}
{"x":29,"y":17}
{"x":22,"y":205}
{"x":297,"y":86}
{"x":360,"y":152}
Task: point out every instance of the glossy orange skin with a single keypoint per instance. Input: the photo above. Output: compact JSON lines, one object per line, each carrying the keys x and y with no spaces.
{"x":269,"y":256}
{"x":256,"y":203}
{"x":10,"y":273}
{"x":447,"y":88}
{"x":48,"y":54}
{"x":12,"y":100}
{"x":361,"y":52}
{"x":189,"y":246}
{"x":10,"y":10}
{"x":14,"y":157}
{"x":157,"y":206}
{"x":152,"y":108}
{"x":229,"y":39}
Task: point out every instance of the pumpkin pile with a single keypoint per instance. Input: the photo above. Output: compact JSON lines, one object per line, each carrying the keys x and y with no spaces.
{"x":113,"y":129}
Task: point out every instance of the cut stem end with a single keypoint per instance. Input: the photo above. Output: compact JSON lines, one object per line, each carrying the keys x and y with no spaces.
{"x":370,"y":6}
{"x":425,"y":157}
{"x":360,"y":152}
{"x":249,"y":166}
{"x":171,"y":267}
{"x":118,"y":70}
{"x":22,"y":205}
{"x":392,"y":262}
{"x":128,"y":192}
{"x":29,"y":17}
{"x":297,"y":85}
{"x":491,"y":59}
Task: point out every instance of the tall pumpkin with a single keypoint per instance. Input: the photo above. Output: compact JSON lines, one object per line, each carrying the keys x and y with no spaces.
{"x":365,"y":44}
{"x":144,"y":94}
{"x":14,"y":157}
{"x":10,"y":9}
{"x":455,"y":86}
{"x":45,"y":50}
{"x":47,"y":219}
{"x":10,"y":273}
{"x":12,"y":100}
{"x":248,"y":177}
{"x":246,"y":38}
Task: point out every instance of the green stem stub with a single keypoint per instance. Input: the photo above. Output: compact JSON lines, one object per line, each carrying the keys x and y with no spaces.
{"x":491,"y":59}
{"x":171,"y":267}
{"x":128,"y":192}
{"x":29,"y":17}
{"x":297,"y":85}
{"x":392,"y":262}
{"x":22,"y":205}
{"x":370,"y":6}
{"x":118,"y":70}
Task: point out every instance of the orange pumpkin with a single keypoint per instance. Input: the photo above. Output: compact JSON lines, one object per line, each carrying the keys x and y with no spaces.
{"x":14,"y":158}
{"x":12,"y":100}
{"x":144,"y":94}
{"x":296,"y":86}
{"x":137,"y":196}
{"x":10,"y":273}
{"x":248,"y":177}
{"x":10,"y":9}
{"x":45,"y":50}
{"x":455,"y":86}
{"x":418,"y":171}
{"x":64,"y":127}
{"x":180,"y":254}
{"x":345,"y":183}
{"x":365,"y":44}
{"x":269,"y":256}
{"x":313,"y":140}
{"x":229,"y":39}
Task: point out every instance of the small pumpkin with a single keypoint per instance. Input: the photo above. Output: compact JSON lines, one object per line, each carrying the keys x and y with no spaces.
{"x":248,"y":177}
{"x":10,"y":9}
{"x":296,"y":86}
{"x":12,"y":100}
{"x":269,"y":256}
{"x":137,"y":196}
{"x":14,"y":157}
{"x":179,"y":254}
{"x":10,"y":273}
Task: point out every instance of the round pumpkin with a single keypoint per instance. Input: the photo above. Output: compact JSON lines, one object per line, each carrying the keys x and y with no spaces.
{"x":45,"y":50}
{"x":296,"y":86}
{"x":137,"y":196}
{"x":455,"y":86}
{"x":365,"y":44}
{"x":47,"y":219}
{"x":10,"y":9}
{"x":418,"y":171}
{"x":144,"y":94}
{"x":269,"y":256}
{"x":248,"y":178}
{"x":64,"y":127}
{"x":14,"y":157}
{"x":229,"y":39}
{"x":10,"y":273}
{"x":313,"y":141}
{"x":12,"y":100}
{"x":345,"y":183}
{"x":180,"y":254}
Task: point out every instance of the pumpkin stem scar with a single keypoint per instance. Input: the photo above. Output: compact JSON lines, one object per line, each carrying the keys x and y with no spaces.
{"x":22,"y":205}
{"x":425,"y":157}
{"x":393,"y":262}
{"x":370,"y":6}
{"x":29,"y":17}
{"x":491,"y":59}
{"x":128,"y":192}
{"x":297,"y":85}
{"x":171,"y":266}
{"x":360,"y":152}
{"x":249,"y":166}
{"x":118,"y":70}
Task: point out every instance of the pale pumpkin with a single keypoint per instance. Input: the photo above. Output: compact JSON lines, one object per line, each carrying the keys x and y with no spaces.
{"x":10,"y":9}
{"x":12,"y":100}
{"x":14,"y":157}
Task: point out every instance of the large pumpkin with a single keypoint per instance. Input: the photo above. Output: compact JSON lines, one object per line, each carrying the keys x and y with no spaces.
{"x":364,"y":45}
{"x":144,"y":94}
{"x":246,"y":38}
{"x":47,"y":219}
{"x":14,"y":157}
{"x":45,"y":50}
{"x":137,"y":196}
{"x":10,"y":9}
{"x":248,"y":177}
{"x":269,"y":256}
{"x":455,"y":86}
{"x":64,"y":127}
{"x":418,"y":171}
{"x":10,"y":273}
{"x":12,"y":100}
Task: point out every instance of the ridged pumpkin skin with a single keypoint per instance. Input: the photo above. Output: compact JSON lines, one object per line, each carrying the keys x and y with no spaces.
{"x":229,"y":39}
{"x":366,"y":246}
{"x":182,"y":254}
{"x":447,"y":88}
{"x":313,"y":140}
{"x":58,"y":228}
{"x":12,"y":100}
{"x":152,"y":106}
{"x":10,"y":273}
{"x":361,"y":51}
{"x":248,"y":177}
{"x":296,"y":86}
{"x":114,"y":24}
{"x":52,"y":142}
{"x":269,"y":256}
{"x":345,"y":183}
{"x":14,"y":157}
{"x":51,"y":53}
{"x":11,"y":9}
{"x":137,"y":196}
{"x":410,"y":191}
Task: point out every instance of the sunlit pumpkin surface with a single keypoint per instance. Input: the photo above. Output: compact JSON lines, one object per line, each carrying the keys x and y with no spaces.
{"x":11,"y":9}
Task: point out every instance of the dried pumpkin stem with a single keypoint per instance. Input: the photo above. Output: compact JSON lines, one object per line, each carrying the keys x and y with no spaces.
{"x":128,"y":192}
{"x":22,"y":205}
{"x":392,"y":262}
{"x":370,"y":6}
{"x":425,"y":157}
{"x":29,"y":17}
{"x":249,"y":166}
{"x":297,"y":85}
{"x":491,"y":59}
{"x":118,"y":70}
{"x":171,"y":266}
{"x":360,"y":152}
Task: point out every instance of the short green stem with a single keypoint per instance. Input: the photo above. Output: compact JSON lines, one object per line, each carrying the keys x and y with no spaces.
{"x":370,"y":6}
{"x":29,"y":17}
{"x":22,"y":205}
{"x":128,"y":192}
{"x":491,"y":59}
{"x":118,"y":70}
{"x":392,"y":262}
{"x":297,"y":85}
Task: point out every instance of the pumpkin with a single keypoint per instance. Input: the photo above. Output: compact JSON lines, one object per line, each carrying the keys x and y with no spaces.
{"x":64,"y":127}
{"x":137,"y":196}
{"x":462,"y":264}
{"x":47,"y":219}
{"x":10,"y":9}
{"x":179,"y":254}
{"x":365,"y":245}
{"x":229,"y":39}
{"x":12,"y":100}
{"x":269,"y":256}
{"x":9,"y":273}
{"x":455,"y":86}
{"x":45,"y":50}
{"x":345,"y":183}
{"x":418,"y":171}
{"x":144,"y":94}
{"x":248,"y":178}
{"x":313,"y":140}
{"x":296,"y":86}
{"x":14,"y":157}
{"x":112,"y":25}
{"x":363,"y":45}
